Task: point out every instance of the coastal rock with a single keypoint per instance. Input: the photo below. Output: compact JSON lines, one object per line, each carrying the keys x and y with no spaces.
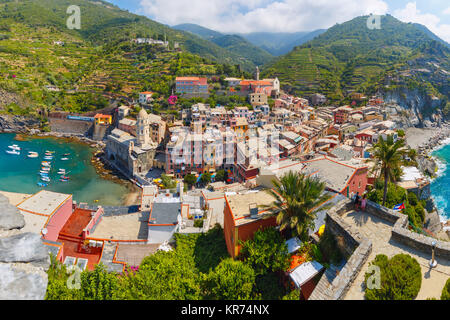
{"x":17,"y":123}
{"x":10,"y":217}
{"x":433,"y":222}
{"x":24,"y":247}
{"x":22,"y":282}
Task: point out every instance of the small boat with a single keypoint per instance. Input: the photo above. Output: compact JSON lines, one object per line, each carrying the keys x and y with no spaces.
{"x":46,"y":169}
{"x":65,"y":178}
{"x":14,"y":147}
{"x":13,"y":152}
{"x":48,"y":158}
{"x":46,"y":151}
{"x":42,"y":184}
{"x":43,"y":173}
{"x":43,"y":178}
{"x":64,"y":159}
{"x":32,"y":154}
{"x":46,"y":164}
{"x":62,"y":171}
{"x":66,"y":154}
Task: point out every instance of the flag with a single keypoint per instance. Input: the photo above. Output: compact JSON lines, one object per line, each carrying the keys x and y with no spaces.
{"x":399,"y":207}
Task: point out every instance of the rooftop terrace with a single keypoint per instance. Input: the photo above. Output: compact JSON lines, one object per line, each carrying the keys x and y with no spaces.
{"x":44,"y":202}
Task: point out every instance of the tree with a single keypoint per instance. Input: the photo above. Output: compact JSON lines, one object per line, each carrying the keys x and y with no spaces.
{"x":296,"y":197}
{"x":401,"y":278}
{"x":220,"y":175}
{"x":206,"y":178}
{"x":388,"y":158}
{"x":446,"y":291}
{"x":230,"y":280}
{"x":190,"y":179}
{"x":267,"y":252}
{"x":167,"y":182}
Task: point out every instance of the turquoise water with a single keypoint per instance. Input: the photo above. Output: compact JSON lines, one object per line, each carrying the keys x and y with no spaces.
{"x":20,"y":174}
{"x":440,"y":187}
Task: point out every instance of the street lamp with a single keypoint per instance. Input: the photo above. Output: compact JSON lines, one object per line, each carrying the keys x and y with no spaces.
{"x":433,"y":263}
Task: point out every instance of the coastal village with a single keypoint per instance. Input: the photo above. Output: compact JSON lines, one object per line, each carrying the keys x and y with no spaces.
{"x":215,"y":165}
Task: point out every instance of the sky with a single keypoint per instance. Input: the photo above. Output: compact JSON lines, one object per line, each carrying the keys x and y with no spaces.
{"x":245,"y":16}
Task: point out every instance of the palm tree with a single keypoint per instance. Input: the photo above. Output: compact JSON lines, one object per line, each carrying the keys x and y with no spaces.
{"x":296,"y":198}
{"x":388,"y":159}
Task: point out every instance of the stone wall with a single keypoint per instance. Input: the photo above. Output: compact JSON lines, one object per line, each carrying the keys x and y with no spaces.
{"x":354,"y":244}
{"x":402,"y":234}
{"x":76,"y":127}
{"x":352,"y":240}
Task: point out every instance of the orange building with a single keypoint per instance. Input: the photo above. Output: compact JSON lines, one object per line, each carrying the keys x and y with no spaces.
{"x":103,"y":119}
{"x":244,"y":214}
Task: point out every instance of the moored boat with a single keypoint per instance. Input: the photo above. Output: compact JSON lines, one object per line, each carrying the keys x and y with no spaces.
{"x":14,"y":152}
{"x":14,"y":147}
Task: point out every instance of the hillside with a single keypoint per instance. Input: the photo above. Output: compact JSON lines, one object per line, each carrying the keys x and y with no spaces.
{"x":45,"y":65}
{"x":279,"y":43}
{"x":350,"y":56}
{"x":103,"y":22}
{"x":232,"y":43}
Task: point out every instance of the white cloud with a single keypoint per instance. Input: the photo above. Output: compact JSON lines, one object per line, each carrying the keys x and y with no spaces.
{"x":260,"y":15}
{"x":447,"y":11}
{"x":411,"y":14}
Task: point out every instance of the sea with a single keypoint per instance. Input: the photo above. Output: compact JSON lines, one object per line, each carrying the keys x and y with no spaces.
{"x":18,"y":173}
{"x":440,"y":186}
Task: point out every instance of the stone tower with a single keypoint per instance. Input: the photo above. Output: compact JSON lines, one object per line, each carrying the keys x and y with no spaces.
{"x":257,"y":74}
{"x":142,"y":128}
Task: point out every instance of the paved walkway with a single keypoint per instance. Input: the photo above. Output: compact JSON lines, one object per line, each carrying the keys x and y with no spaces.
{"x":379,"y":232}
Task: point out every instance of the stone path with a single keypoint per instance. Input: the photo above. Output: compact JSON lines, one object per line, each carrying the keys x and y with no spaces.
{"x":379,"y":232}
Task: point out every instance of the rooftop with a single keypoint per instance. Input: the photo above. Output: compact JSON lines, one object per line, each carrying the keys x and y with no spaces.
{"x":334,"y":174}
{"x":44,"y":202}
{"x":242,"y":203}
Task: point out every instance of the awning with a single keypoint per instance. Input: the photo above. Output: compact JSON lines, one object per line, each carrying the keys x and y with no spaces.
{"x":305,"y":272}
{"x":293,"y":244}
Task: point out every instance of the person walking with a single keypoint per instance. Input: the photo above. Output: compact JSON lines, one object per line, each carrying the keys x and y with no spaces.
{"x":364,"y":202}
{"x":357,"y":198}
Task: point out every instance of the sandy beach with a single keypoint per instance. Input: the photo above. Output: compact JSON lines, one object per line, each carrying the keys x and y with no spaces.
{"x":15,"y":198}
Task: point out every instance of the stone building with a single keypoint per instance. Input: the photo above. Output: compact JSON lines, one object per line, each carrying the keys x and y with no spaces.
{"x":134,"y":155}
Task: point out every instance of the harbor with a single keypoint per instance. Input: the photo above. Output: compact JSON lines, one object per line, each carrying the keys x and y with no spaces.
{"x":31,"y":164}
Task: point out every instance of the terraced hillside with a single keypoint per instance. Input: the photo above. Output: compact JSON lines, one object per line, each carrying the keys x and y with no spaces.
{"x":49,"y":66}
{"x":350,"y":56}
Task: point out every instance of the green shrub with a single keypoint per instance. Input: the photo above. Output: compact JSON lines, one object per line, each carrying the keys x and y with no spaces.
{"x":266,"y":252}
{"x":401,"y":278}
{"x":230,"y":280}
{"x":446,"y":291}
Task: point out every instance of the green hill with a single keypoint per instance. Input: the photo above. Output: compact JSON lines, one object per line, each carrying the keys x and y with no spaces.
{"x":233,"y":43}
{"x":350,"y":56}
{"x":46,"y":65}
{"x":103,"y":22}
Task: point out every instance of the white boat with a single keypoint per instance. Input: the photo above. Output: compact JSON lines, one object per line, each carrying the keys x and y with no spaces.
{"x":13,"y":152}
{"x":46,"y":164}
{"x":62,"y":171}
{"x":32,"y":154}
{"x":46,"y":179}
{"x":14,"y":147}
{"x":64,"y":159}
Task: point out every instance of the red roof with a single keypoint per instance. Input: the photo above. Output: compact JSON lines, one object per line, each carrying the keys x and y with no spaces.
{"x":255,"y":83}
{"x":202,"y":81}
